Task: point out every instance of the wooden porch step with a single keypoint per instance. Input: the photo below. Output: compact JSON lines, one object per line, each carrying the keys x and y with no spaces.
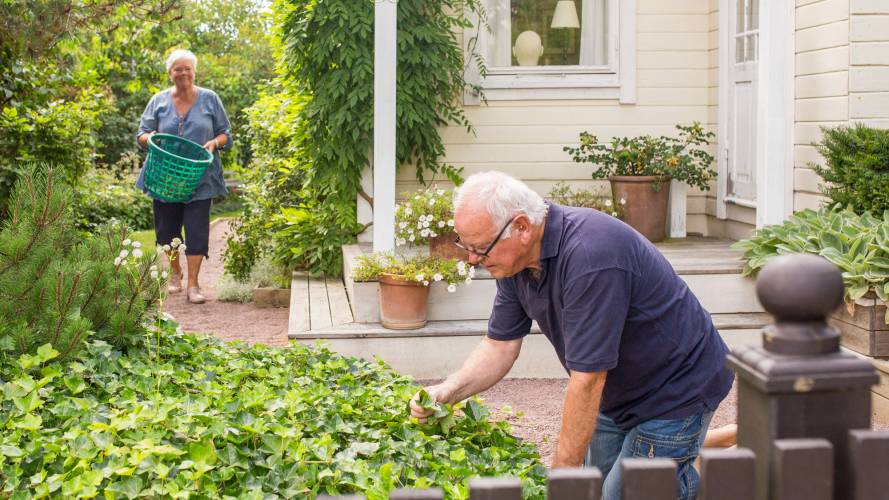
{"x":440,"y":347}
{"x":317,"y":303}
{"x":709,"y":266}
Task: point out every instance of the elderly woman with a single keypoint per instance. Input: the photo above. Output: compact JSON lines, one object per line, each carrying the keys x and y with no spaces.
{"x":196,"y":114}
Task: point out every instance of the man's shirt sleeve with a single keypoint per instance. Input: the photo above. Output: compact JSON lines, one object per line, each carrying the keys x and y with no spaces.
{"x":595,"y":306}
{"x":508,"y":318}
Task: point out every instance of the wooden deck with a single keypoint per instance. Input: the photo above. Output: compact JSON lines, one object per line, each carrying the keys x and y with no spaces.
{"x":317,"y":303}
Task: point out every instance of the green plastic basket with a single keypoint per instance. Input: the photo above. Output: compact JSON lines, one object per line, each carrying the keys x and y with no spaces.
{"x":174,"y":167}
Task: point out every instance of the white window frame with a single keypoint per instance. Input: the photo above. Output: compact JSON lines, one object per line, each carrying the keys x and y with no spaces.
{"x":617,"y":80}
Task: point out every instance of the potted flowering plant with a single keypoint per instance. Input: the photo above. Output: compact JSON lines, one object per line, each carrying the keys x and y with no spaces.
{"x":427,"y":216}
{"x":404,"y":284}
{"x":637,"y":168}
{"x":562,"y":194}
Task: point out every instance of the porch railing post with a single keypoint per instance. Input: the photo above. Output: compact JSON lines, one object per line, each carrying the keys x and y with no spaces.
{"x":648,"y":479}
{"x":495,"y":488}
{"x":799,"y":384}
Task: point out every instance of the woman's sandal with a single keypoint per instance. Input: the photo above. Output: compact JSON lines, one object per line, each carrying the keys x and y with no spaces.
{"x":175,"y":284}
{"x":194,"y":295}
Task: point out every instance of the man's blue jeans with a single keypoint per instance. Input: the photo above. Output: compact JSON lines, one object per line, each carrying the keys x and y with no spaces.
{"x":679,"y":439}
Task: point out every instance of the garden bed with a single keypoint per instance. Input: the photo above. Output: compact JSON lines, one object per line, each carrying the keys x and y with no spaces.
{"x":864,"y":331}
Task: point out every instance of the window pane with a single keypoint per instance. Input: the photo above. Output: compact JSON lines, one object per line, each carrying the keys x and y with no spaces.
{"x":548,"y":33}
{"x":740,"y":53}
{"x":740,"y":10}
{"x":752,"y":46}
{"x":752,"y":14}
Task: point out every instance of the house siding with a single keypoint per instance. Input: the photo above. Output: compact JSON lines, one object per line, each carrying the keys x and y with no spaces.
{"x":675,"y":74}
{"x":821,"y":88}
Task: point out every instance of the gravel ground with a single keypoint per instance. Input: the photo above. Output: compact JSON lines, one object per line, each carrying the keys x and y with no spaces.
{"x":536,"y":404}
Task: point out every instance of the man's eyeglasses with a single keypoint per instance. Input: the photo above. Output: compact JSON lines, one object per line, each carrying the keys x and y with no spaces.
{"x":487,"y":251}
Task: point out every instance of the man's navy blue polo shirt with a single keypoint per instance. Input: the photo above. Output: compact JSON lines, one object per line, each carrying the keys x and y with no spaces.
{"x":609,"y":301}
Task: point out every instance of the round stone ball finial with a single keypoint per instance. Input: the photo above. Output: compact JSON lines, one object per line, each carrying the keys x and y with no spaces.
{"x":800,"y":287}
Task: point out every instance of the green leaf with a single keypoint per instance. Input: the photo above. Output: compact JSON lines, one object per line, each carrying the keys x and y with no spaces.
{"x":46,"y":353}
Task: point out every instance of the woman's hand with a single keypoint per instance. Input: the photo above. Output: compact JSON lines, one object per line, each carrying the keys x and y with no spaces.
{"x":143,"y":139}
{"x":212,"y":145}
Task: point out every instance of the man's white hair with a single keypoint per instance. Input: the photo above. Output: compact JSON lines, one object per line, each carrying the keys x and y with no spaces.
{"x":502,"y":196}
{"x":181,"y":54}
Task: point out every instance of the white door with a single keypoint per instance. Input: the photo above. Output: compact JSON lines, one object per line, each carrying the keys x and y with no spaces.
{"x":740,"y":148}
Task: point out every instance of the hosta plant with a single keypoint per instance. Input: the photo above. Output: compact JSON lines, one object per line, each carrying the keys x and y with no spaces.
{"x":857,"y":244}
{"x":228,"y":420}
{"x":423,"y":269}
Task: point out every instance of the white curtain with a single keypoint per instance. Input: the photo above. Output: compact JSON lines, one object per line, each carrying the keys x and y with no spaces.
{"x":593,"y":39}
{"x":499,"y":50}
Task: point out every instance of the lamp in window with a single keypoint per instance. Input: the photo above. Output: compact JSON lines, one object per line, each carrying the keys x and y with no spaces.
{"x":565,"y":17}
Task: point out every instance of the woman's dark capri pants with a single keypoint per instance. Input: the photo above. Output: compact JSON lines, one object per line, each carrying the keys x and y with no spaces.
{"x":169,"y":218}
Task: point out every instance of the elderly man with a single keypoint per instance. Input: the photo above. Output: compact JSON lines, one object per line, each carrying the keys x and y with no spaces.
{"x":646,"y":365}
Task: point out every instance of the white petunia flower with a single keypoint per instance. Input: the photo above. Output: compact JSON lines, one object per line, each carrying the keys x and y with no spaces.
{"x":437,"y":277}
{"x":176,"y":242}
{"x":452,"y":288}
{"x":607,"y":203}
{"x":124,"y":253}
{"x":420,"y":277}
{"x":451,"y":222}
{"x":127,"y":242}
{"x":468,"y":281}
{"x":117,"y":261}
{"x":426,"y":223}
{"x":166,"y":248}
{"x":432,"y":201}
{"x":623,"y":201}
{"x":408,"y":211}
{"x":433,"y":234}
{"x":472,"y":272}
{"x":425,"y":283}
{"x":411,"y":238}
{"x":420,"y":225}
{"x":441,"y":192}
{"x":164,"y":275}
{"x":461,"y":271}
{"x":400,"y":241}
{"x":136,"y":244}
{"x":402,"y":224}
{"x":154,"y":275}
{"x":137,"y":253}
{"x":461,"y":264}
{"x":424,"y":233}
{"x":441,"y":223}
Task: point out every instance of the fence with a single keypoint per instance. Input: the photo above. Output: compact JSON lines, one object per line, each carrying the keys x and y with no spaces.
{"x":803,"y":415}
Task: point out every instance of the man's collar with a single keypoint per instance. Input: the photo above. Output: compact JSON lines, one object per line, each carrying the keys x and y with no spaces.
{"x":552,"y":231}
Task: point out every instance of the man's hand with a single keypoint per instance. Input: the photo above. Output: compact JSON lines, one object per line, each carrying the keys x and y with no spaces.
{"x":440,"y":393}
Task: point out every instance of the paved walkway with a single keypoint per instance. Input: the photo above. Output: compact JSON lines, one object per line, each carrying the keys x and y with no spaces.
{"x":227,"y":320}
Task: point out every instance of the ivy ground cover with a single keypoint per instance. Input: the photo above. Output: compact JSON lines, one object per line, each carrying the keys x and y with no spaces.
{"x":196,"y":417}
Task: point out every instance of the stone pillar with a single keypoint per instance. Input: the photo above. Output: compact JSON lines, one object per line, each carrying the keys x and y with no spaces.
{"x":799,"y":384}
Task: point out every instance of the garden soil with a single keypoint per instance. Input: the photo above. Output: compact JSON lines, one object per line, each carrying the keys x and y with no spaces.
{"x":532,"y":406}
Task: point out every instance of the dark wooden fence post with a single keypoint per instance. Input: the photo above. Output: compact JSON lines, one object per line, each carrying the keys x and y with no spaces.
{"x":869,"y":459}
{"x":799,"y":384}
{"x":574,"y":484}
{"x":727,"y":475}
{"x":802,"y":469}
{"x":648,"y":479}
{"x":495,"y":488}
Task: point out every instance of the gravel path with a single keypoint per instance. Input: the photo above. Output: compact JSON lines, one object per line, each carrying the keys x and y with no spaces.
{"x":536,"y":404}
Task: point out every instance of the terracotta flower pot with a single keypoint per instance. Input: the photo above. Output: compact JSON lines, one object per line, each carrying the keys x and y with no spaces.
{"x":646,"y":209}
{"x":443,"y":247}
{"x":402,"y":303}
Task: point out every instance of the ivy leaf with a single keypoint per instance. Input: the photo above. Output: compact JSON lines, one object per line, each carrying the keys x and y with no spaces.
{"x":46,"y":352}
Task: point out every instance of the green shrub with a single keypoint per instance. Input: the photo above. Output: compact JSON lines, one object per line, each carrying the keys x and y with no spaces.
{"x":857,"y":244}
{"x":230,"y":289}
{"x":856,"y":172}
{"x":58,"y":289}
{"x":101,"y":198}
{"x":203,"y":418}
